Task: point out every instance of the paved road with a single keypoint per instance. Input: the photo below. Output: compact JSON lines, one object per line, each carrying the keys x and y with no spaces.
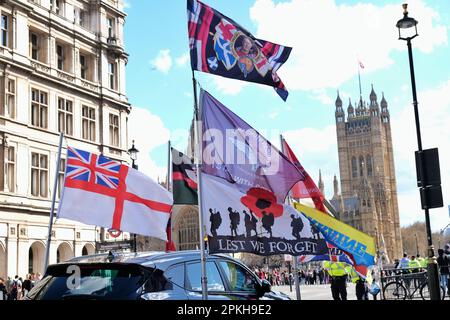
{"x":315,"y":292}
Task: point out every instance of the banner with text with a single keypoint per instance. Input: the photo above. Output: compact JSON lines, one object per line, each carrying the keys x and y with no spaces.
{"x":254,"y":222}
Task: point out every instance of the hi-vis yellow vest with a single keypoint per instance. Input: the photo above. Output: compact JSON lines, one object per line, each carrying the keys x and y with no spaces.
{"x":335,"y":269}
{"x":423,"y":262}
{"x":352,"y":272}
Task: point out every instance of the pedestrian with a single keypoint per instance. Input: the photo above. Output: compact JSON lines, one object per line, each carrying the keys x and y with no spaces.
{"x":338,"y":275}
{"x":3,"y":293}
{"x":8,"y":284}
{"x":361,"y":289}
{"x":444,"y":263}
{"x":26,"y":285}
{"x":16,"y":288}
{"x":404,"y":263}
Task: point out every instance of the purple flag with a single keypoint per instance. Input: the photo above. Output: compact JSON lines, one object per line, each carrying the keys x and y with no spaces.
{"x":233,"y":150}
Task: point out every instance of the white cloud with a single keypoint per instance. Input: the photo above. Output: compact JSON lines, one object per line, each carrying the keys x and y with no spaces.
{"x":149,"y":132}
{"x":163,"y":61}
{"x":321,"y":95}
{"x":182,"y":60}
{"x":434,"y":113}
{"x":328,"y":39}
{"x":316,"y":148}
{"x":228,"y":86}
{"x":274,"y":114}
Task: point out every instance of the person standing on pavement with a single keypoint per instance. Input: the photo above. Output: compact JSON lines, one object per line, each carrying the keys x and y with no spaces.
{"x":444,"y":265}
{"x":338,"y":275}
{"x":3,"y":292}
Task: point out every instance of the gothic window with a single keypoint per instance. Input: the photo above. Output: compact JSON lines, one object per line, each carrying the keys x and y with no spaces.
{"x":361,"y":166}
{"x":369,"y":165}
{"x":354,"y":168}
{"x":188,"y":232}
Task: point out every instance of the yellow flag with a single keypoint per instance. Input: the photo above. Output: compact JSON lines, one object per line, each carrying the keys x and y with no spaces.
{"x":341,"y":235}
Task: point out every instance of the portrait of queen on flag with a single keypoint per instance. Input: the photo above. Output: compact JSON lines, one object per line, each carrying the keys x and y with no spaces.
{"x":103,"y":192}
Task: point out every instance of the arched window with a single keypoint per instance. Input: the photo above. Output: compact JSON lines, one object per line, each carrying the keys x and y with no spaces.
{"x":84,"y":252}
{"x":354,"y":168}
{"x":188,"y":232}
{"x":361,"y":166}
{"x":369,"y":165}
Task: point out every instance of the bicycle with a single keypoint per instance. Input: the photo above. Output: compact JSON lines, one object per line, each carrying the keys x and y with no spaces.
{"x":399,"y":289}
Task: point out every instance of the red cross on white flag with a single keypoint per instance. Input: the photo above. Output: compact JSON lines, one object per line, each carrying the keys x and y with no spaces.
{"x":103,"y":192}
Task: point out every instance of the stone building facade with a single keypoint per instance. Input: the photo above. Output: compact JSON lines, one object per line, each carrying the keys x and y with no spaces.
{"x":368,"y":198}
{"x":62,"y":69}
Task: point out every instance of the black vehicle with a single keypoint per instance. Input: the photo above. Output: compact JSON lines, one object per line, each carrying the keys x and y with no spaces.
{"x":151,"y":276}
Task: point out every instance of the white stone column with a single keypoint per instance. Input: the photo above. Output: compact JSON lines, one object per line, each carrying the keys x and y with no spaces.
{"x":23,"y":247}
{"x":11,"y":251}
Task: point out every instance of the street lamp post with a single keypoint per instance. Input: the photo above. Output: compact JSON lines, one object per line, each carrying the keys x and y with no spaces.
{"x":417,"y":245}
{"x":407,"y":30}
{"x":133,"y":155}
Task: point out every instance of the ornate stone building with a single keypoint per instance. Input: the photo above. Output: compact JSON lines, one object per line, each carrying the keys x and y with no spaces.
{"x":62,"y":68}
{"x":368,"y":200}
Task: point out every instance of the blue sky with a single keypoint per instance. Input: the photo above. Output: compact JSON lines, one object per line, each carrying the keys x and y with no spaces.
{"x":328,"y":38}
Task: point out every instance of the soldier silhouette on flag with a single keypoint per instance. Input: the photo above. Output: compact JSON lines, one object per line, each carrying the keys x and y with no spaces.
{"x":216,"y":221}
{"x":315,"y":232}
{"x":267,"y":222}
{"x":297,"y":226}
{"x":250,"y":223}
{"x":234,"y":221}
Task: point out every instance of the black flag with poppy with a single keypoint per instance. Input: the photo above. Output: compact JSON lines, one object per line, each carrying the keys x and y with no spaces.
{"x":184,"y":179}
{"x":220,"y":46}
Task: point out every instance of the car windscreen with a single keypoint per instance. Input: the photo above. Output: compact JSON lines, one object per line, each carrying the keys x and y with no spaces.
{"x":92,"y":281}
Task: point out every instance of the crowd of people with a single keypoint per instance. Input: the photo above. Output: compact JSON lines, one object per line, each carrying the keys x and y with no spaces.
{"x":279,"y":277}
{"x":17,"y":288}
{"x":339,"y":274}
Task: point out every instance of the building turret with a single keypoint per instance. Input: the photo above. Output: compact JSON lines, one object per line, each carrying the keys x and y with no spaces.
{"x":321,"y":185}
{"x":373,"y":108}
{"x":340,"y":115}
{"x":350,"y":109}
{"x":336,"y":188}
{"x":384,"y":110}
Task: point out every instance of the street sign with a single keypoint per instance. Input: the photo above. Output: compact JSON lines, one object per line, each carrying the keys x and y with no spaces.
{"x":116,"y":245}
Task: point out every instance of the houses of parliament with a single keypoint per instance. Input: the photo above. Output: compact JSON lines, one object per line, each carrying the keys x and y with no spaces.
{"x":368,"y":198}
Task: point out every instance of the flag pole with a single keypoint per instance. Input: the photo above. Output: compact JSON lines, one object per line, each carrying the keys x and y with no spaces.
{"x":294,"y":258}
{"x":169,"y":157}
{"x":52,"y":208}
{"x":168,"y":184}
{"x":359,"y":78}
{"x":198,"y":163}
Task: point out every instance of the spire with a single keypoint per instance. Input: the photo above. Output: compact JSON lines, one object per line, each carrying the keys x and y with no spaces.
{"x":384,"y":110}
{"x":336,"y":187}
{"x":350,"y":109}
{"x":321,"y":185}
{"x":373,"y":95}
{"x":338,"y":100}
{"x":383,"y":101}
{"x":339,"y":114}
